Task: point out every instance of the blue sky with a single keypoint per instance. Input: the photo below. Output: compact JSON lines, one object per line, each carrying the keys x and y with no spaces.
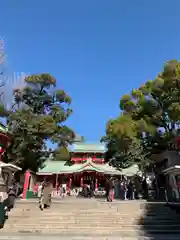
{"x":98,"y":50}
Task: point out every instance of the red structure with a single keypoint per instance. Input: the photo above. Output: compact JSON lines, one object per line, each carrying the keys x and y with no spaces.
{"x":26,"y":184}
{"x":4,"y":141}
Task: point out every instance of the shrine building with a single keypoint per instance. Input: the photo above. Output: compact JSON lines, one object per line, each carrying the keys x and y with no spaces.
{"x":87,"y":164}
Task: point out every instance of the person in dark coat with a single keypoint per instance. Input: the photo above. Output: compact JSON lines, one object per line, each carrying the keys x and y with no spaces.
{"x":12,"y":194}
{"x":109,"y":188}
{"x":130,"y":190}
{"x":85,"y":190}
{"x":92,"y":189}
{"x":145,"y":188}
{"x":47,"y":191}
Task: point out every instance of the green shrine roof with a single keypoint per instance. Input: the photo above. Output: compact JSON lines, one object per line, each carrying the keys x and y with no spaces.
{"x":60,"y":167}
{"x":88,"y":147}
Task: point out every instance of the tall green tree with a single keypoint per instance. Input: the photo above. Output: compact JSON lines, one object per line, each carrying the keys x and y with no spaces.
{"x":3,"y":111}
{"x":153,"y":111}
{"x":37,"y":116}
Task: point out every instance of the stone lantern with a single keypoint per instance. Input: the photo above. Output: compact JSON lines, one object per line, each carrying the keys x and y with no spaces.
{"x":6,"y":170}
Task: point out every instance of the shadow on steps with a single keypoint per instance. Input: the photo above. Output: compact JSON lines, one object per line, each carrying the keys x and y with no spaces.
{"x":160,"y":220}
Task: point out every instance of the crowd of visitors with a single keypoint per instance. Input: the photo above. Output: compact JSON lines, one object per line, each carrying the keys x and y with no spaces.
{"x":125,"y":189}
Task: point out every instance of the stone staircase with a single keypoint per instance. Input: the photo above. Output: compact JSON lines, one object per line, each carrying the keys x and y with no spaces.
{"x":91,"y":217}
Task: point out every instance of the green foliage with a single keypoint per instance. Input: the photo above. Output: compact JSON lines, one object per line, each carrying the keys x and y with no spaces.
{"x":151,"y":116}
{"x":61,"y":154}
{"x":38,"y":114}
{"x":3,"y":112}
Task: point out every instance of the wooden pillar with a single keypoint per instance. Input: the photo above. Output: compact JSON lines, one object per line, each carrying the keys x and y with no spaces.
{"x":69,"y":185}
{"x":96,"y":184}
{"x":70,"y":181}
{"x":26,"y":183}
{"x":56,"y":184}
{"x":81,"y":181}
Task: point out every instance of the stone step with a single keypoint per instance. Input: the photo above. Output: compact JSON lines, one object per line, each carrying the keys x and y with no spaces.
{"x":81,"y":210}
{"x":85,"y":214}
{"x":82,"y":229}
{"x":94,"y":205}
{"x":78,"y":220}
{"x":85,"y":217}
{"x":92,"y":217}
{"x":88,"y":202}
{"x":88,"y":209}
{"x":130,"y":236}
{"x":76,"y":216}
{"x":96,"y":223}
{"x":97,"y":206}
{"x":102,"y":224}
{"x":97,"y":219}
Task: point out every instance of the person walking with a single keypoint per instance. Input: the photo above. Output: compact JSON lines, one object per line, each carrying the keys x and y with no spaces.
{"x":125,"y":189}
{"x":92,"y":189}
{"x":39,"y":191}
{"x":45,"y":199}
{"x":47,"y":191}
{"x":12,"y":194}
{"x":109,"y":190}
{"x":130,"y":190}
{"x":40,"y":195}
{"x":112,"y":190}
{"x":64,"y":189}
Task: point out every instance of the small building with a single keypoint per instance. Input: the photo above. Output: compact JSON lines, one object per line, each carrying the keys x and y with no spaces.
{"x":168,"y":173}
{"x":6,"y":169}
{"x":173,"y":178}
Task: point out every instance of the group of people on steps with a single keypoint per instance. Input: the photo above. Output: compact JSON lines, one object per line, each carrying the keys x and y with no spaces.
{"x":45,"y":190}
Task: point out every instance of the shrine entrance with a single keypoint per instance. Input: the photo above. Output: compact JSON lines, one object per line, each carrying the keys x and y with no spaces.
{"x":83,"y":178}
{"x":88,"y":177}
